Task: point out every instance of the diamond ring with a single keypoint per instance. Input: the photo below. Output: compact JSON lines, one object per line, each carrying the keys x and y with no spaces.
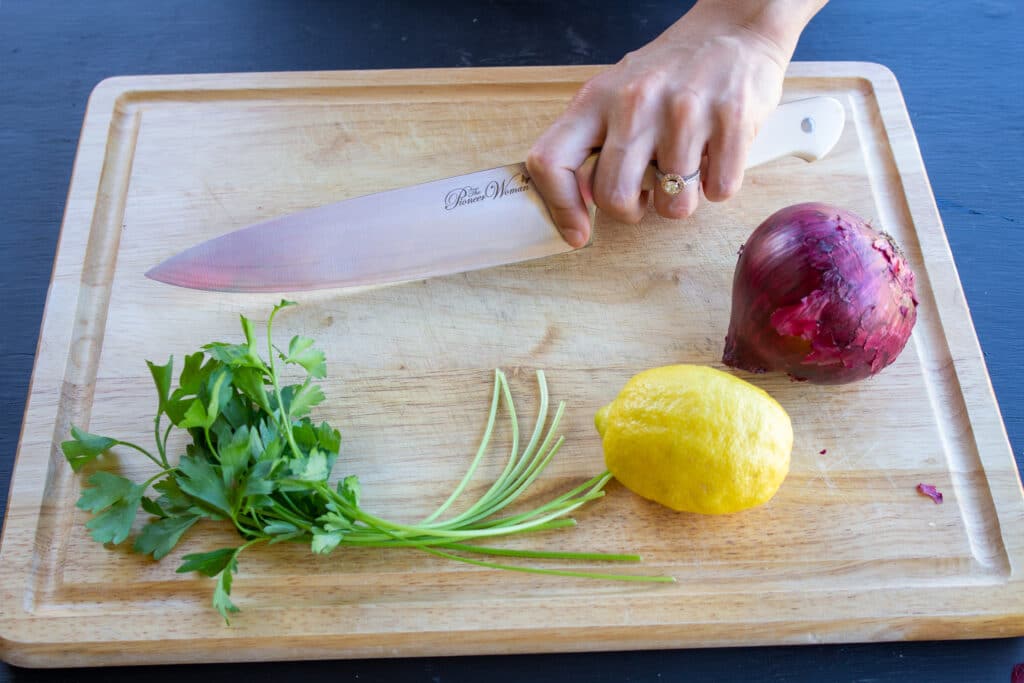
{"x":673,"y":183}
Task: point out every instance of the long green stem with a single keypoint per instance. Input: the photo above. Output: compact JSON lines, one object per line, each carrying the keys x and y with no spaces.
{"x":142,"y":450}
{"x":160,"y":445}
{"x":285,"y":515}
{"x":514,"y":459}
{"x":508,"y":486}
{"x":167,"y":434}
{"x":513,"y":463}
{"x":286,"y":420}
{"x":639,"y":578}
{"x":543,"y":554}
{"x":484,"y":442}
{"x":369,"y":536}
{"x":146,"y":484}
{"x":406,"y":529}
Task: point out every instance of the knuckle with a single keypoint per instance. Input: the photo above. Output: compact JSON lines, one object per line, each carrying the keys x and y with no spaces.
{"x":681,"y":208}
{"x":620,"y":201}
{"x":630,"y":58}
{"x":683,"y":106}
{"x":640,"y":93}
{"x":620,"y":204}
{"x":723,"y":187}
{"x":732,"y":115}
{"x":590,"y":90}
{"x":541,"y":160}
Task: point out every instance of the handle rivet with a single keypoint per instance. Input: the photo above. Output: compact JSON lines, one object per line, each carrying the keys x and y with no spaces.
{"x":807,"y":125}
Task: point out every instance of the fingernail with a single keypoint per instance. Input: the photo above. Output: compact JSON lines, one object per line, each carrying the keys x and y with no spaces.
{"x":574,"y":237}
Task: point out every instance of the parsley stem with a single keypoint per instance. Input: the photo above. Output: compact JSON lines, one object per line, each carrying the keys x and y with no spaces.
{"x":247,"y":530}
{"x":167,"y":434}
{"x":368,"y":536}
{"x":283,"y":514}
{"x":484,"y":442}
{"x":146,"y":484}
{"x":160,"y":445}
{"x":544,"y":554}
{"x":209,"y":444}
{"x":288,"y":499}
{"x":500,"y":384}
{"x":641,"y":578}
{"x":409,"y":530}
{"x":504,"y":552}
{"x":286,"y":420}
{"x":142,"y":450}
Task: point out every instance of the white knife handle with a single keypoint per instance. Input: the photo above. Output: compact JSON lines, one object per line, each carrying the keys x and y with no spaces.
{"x":807,"y":129}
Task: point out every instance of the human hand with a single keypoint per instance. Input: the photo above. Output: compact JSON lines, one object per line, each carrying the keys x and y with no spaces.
{"x":691,"y":99}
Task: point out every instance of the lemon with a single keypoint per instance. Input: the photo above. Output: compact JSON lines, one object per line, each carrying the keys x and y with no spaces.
{"x":696,"y":439}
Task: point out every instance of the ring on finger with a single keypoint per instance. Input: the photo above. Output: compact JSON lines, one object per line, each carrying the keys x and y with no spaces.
{"x":673,"y":183}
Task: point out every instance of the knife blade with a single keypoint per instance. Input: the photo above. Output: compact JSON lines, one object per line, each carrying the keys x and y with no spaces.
{"x":479,"y":220}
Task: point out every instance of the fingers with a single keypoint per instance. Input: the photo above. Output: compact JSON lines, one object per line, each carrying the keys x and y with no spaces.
{"x":626,"y":152}
{"x":727,"y":154}
{"x":552,"y":163}
{"x":618,"y":179}
{"x":680,"y":149}
{"x":684,"y":130}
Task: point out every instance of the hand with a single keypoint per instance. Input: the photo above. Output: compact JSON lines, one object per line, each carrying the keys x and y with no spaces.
{"x":692,"y":98}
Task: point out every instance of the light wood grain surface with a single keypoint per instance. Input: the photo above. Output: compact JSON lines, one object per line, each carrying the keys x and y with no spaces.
{"x":847,"y":551}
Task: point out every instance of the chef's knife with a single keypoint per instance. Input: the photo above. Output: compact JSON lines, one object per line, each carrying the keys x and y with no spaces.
{"x":468,"y":222}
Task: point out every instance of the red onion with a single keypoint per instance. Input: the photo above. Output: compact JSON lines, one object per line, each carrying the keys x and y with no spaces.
{"x":819,"y":294}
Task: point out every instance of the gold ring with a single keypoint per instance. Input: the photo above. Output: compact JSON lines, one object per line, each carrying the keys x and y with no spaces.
{"x":673,"y":183}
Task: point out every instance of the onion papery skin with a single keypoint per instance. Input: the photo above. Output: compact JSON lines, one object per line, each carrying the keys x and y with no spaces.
{"x":821,"y":295}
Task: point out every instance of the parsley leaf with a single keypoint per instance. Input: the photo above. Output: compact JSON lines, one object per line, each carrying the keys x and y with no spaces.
{"x":159,"y":538}
{"x":271,"y":442}
{"x":334,"y":520}
{"x":349,"y":489}
{"x":208,"y":564}
{"x":278,"y":527}
{"x":84,"y":447}
{"x":234,"y":457}
{"x":195,"y":416}
{"x":222,"y":593}
{"x":234,"y":355}
{"x":153,"y":507}
{"x":173,"y":500}
{"x":107,"y":489}
{"x":328,"y":437}
{"x":201,"y":481}
{"x":300,"y":398}
{"x":162,"y":375}
{"x":235,"y":412}
{"x":250,"y":338}
{"x":219,"y":394}
{"x":222,"y":563}
{"x":117,"y":500}
{"x":301,"y":352}
{"x":325,"y":541}
{"x":193,"y":377}
{"x":259,"y":482}
{"x":312,"y":467}
{"x":251,"y":382}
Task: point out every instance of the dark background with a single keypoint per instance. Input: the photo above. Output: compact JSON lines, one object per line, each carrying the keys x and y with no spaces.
{"x":960,"y":65}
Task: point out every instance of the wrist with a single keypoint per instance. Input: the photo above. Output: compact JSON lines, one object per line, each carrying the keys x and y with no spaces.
{"x":778,"y":22}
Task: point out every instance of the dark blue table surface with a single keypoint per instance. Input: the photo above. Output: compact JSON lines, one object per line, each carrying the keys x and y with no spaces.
{"x":960,"y":65}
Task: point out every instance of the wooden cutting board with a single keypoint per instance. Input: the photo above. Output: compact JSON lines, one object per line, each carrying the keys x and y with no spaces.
{"x":847,"y":551}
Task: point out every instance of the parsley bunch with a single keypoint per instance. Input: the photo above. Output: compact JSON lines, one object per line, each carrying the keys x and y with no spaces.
{"x":257,"y":460}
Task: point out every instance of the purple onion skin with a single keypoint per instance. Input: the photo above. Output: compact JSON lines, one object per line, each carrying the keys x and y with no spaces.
{"x":821,"y":295}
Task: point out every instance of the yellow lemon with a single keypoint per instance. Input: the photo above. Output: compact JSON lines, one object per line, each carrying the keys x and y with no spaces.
{"x":696,"y":439}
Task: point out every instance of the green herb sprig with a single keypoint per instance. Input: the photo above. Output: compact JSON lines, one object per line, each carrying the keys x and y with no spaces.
{"x":257,"y":460}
